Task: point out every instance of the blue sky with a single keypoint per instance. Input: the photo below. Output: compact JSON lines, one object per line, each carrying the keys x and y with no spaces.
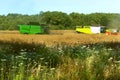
{"x":67,"y":6}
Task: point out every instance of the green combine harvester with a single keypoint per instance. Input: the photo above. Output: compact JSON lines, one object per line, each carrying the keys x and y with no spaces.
{"x":33,"y":29}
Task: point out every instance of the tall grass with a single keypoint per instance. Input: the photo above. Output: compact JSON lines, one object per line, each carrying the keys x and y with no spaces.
{"x":23,"y":61}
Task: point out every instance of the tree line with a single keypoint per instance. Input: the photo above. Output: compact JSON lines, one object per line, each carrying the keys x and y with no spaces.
{"x":59,"y":20}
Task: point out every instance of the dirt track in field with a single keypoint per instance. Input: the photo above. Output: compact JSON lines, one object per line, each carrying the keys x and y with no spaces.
{"x":58,"y":36}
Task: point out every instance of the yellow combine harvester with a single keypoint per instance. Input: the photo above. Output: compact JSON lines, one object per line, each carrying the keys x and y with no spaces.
{"x":90,"y":29}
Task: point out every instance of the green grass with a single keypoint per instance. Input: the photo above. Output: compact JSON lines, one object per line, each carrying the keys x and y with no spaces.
{"x":22,"y":61}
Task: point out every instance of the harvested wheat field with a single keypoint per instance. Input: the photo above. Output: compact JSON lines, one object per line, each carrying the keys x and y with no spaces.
{"x":57,"y":37}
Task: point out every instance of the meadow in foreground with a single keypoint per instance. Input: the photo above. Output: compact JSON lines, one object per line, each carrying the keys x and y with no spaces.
{"x":24,"y":61}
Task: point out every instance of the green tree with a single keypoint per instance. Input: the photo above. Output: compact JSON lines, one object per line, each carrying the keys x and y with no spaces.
{"x":55,"y":18}
{"x":77,"y":19}
{"x":60,"y":20}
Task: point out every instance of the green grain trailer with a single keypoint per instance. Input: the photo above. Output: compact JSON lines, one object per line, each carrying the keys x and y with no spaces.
{"x":32,"y":29}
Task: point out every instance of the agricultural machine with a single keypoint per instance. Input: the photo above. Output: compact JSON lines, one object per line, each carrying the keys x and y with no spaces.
{"x":112,"y":31}
{"x":33,"y":29}
{"x":90,"y":29}
{"x":95,"y":30}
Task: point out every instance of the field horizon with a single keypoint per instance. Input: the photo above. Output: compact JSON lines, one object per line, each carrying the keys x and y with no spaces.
{"x":69,"y":37}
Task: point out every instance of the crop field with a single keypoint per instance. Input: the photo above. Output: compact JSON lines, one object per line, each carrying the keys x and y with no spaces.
{"x":60,"y":55}
{"x":69,"y":37}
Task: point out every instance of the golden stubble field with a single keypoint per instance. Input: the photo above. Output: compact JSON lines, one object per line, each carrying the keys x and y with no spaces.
{"x":57,"y":37}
